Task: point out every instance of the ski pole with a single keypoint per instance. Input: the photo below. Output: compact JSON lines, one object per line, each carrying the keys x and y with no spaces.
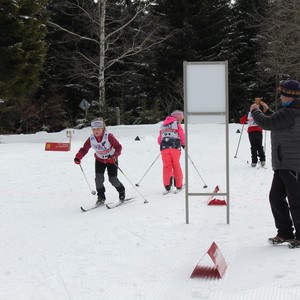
{"x":145,"y":200}
{"x":205,"y":186}
{"x":138,"y":184}
{"x":92,"y":191}
{"x":235,"y":156}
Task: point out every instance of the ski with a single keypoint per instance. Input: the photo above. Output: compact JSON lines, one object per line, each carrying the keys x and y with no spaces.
{"x":114,"y":205}
{"x":257,"y":166}
{"x":177,"y":191}
{"x":174,"y":192}
{"x":91,"y":208}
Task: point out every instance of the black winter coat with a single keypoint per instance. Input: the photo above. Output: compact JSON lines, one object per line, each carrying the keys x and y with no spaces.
{"x":285,"y":135}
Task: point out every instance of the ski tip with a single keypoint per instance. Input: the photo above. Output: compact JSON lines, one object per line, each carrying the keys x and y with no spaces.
{"x":82,"y":209}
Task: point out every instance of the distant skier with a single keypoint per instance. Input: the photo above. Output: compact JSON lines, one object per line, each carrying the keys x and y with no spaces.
{"x":255,"y":138}
{"x":107,"y":149}
{"x":171,"y":138}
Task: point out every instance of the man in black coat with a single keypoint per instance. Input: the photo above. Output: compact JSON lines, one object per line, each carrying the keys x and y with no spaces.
{"x":284,"y":195}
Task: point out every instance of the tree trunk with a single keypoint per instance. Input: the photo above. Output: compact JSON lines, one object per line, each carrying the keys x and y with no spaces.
{"x":102,"y":11}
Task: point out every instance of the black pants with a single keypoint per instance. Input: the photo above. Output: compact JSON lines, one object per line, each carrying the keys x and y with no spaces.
{"x":112,"y":171}
{"x":285,"y":202}
{"x":255,"y":138}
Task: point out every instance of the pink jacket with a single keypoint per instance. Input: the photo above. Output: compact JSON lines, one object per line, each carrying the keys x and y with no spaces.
{"x":179,"y":130}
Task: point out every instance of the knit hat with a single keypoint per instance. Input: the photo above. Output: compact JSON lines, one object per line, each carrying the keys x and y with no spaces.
{"x":97,"y":123}
{"x":177,"y":113}
{"x":289,"y":88}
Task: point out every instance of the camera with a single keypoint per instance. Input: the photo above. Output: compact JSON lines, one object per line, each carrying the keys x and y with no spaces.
{"x":257,"y":101}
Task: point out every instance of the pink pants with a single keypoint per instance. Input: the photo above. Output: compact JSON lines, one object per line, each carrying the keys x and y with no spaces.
{"x":171,"y":166}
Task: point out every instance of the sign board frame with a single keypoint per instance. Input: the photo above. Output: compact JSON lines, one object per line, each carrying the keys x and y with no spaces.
{"x":210,"y":81}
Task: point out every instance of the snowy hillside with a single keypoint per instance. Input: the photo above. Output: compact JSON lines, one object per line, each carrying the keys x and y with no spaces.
{"x":52,"y":250}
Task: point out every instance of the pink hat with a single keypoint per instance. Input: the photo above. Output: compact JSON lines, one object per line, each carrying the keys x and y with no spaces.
{"x":177,"y":113}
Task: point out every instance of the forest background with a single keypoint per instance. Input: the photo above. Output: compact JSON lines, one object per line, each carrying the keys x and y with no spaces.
{"x":63,"y":63}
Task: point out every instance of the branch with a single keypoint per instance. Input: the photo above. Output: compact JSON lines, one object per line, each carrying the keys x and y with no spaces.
{"x":73,"y":33}
{"x":126,"y":24}
{"x":137,"y":49}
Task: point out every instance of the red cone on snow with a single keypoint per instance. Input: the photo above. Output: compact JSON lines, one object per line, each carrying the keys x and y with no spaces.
{"x":219,"y":268}
{"x":212,"y":200}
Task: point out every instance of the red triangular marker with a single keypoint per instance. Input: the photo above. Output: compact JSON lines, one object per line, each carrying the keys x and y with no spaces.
{"x":214,"y":201}
{"x":219,"y":268}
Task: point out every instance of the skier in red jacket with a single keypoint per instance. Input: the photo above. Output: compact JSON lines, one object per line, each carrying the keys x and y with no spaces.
{"x":107,"y":150}
{"x":255,"y":138}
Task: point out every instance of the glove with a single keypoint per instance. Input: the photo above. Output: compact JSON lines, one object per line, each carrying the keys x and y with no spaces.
{"x":111,"y":160}
{"x":243,"y":119}
{"x":182,"y":146}
{"x":77,"y":161}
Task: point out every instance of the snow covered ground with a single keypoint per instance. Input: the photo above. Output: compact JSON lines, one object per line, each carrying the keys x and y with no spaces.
{"x":52,"y":250}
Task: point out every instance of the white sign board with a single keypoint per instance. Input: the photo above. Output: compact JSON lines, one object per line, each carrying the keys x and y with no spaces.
{"x":206,"y":92}
{"x":206,"y":102}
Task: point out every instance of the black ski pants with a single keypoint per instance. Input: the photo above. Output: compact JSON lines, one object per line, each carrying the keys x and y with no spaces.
{"x":285,"y":203}
{"x":112,"y":171}
{"x":256,"y":138}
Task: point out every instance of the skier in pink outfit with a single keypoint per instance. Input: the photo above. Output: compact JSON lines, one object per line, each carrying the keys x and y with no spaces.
{"x":171,"y":138}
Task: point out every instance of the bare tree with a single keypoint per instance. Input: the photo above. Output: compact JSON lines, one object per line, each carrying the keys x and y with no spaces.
{"x":170,"y":102}
{"x":116,"y":39}
{"x":280,"y":40}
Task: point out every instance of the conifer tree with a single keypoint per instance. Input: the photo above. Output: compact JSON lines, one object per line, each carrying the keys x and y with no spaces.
{"x":245,"y":54}
{"x":202,"y":28}
{"x":22,"y":47}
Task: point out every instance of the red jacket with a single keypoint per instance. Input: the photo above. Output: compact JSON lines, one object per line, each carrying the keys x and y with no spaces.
{"x":87,"y":145}
{"x":252,"y":126}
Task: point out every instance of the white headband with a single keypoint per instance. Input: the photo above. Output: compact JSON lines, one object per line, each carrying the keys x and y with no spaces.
{"x":97,"y":124}
{"x":177,"y":113}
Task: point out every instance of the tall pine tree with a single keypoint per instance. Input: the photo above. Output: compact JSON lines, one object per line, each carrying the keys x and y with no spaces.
{"x":22,"y":47}
{"x":244,"y":55}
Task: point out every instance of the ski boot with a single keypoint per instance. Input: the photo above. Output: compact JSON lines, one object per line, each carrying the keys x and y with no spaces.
{"x":122,"y":196}
{"x":101,"y":200}
{"x":279,"y":240}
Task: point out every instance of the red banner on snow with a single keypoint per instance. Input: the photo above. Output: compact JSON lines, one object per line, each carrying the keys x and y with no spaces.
{"x":57,"y":146}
